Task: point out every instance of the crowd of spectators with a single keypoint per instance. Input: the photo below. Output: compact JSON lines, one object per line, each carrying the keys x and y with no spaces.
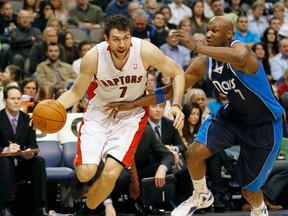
{"x":38,"y":53}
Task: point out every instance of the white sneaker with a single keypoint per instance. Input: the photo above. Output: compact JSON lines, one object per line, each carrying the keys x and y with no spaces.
{"x":196,"y":201}
{"x":263,"y":212}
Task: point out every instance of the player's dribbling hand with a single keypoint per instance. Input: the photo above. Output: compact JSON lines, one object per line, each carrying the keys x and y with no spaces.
{"x":178,"y":117}
{"x":116,"y":107}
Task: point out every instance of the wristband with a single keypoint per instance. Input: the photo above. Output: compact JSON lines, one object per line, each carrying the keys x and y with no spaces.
{"x":196,"y":46}
{"x":177,"y":106}
{"x":160,"y":97}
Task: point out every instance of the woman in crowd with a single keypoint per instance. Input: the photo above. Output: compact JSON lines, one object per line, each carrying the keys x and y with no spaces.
{"x":67,"y":41}
{"x":270,"y":40}
{"x":192,"y":122}
{"x":261,"y":51}
{"x":46,"y":12}
{"x":198,"y":19}
{"x":11,"y":76}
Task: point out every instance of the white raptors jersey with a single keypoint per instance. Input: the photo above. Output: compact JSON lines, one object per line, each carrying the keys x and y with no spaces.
{"x":113,"y":85}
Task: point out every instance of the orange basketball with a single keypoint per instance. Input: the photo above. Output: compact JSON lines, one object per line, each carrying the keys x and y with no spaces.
{"x":49,"y":116}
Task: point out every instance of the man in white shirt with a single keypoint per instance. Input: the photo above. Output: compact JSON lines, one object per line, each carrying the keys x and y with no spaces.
{"x":84,"y":46}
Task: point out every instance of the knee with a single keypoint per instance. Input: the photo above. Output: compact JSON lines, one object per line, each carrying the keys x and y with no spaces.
{"x":86,"y":172}
{"x":197,"y":152}
{"x":109,"y":175}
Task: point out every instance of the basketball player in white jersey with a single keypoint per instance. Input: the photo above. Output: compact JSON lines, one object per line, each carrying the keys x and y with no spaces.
{"x":118,"y":70}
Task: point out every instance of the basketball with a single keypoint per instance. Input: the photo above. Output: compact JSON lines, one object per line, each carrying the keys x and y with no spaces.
{"x":49,"y":116}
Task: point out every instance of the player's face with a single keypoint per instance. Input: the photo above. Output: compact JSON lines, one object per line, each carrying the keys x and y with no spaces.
{"x":119,"y":42}
{"x":13,"y":101}
{"x":215,"y":36}
{"x":194,"y":116}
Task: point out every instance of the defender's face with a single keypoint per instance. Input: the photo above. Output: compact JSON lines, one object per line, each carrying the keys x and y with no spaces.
{"x":119,"y":42}
{"x":215,"y":36}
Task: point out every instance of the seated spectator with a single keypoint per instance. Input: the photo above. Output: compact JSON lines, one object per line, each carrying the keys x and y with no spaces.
{"x":218,"y":10}
{"x":45,"y":92}
{"x":8,"y":22}
{"x":165,"y":9}
{"x":150,"y":7}
{"x":257,"y":22}
{"x":16,"y":134}
{"x":198,"y":19}
{"x":117,"y":7}
{"x":278,"y":12}
{"x":283,"y":86}
{"x":12,"y":76}
{"x":261,"y":51}
{"x":152,"y":159}
{"x":32,"y":8}
{"x":180,"y":54}
{"x":60,"y":12}
{"x":151,"y":80}
{"x":46,"y":12}
{"x":160,"y":36}
{"x":169,"y":136}
{"x":54,"y":72}
{"x":38,"y":50}
{"x":279,"y":62}
{"x":29,"y":87}
{"x":83,"y":48}
{"x":87,"y":16}
{"x":141,"y":27}
{"x":243,"y":34}
{"x":198,"y":96}
{"x":179,"y":11}
{"x":192,"y":122}
{"x":22,"y":39}
{"x":270,"y":40}
{"x":275,"y":24}
{"x":71,"y":50}
{"x":56,"y":24}
{"x":132,"y":7}
{"x":237,"y":7}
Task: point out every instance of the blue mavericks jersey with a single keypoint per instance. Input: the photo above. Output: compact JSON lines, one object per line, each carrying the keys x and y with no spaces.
{"x":250,"y":95}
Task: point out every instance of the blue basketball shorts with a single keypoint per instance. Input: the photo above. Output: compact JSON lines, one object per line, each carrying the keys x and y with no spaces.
{"x":259,"y":146}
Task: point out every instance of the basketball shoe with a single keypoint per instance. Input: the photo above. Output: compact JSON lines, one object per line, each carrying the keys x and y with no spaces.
{"x":263,"y":212}
{"x":195,"y":202}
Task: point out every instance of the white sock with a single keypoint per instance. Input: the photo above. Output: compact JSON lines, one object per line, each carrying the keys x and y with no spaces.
{"x":259,"y":208}
{"x":200,"y":185}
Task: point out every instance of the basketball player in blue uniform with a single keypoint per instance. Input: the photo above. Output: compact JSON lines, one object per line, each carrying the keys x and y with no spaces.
{"x":251,"y":119}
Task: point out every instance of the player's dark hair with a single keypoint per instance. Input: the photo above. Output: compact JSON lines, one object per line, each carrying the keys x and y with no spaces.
{"x":119,"y":22}
{"x":7,"y":89}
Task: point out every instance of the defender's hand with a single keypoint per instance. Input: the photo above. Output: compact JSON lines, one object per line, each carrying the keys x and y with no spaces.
{"x":179,"y":117}
{"x":116,"y":107}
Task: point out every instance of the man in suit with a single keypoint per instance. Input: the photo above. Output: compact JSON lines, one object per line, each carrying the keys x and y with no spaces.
{"x":152,"y":160}
{"x":172,"y":140}
{"x":16,"y":134}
